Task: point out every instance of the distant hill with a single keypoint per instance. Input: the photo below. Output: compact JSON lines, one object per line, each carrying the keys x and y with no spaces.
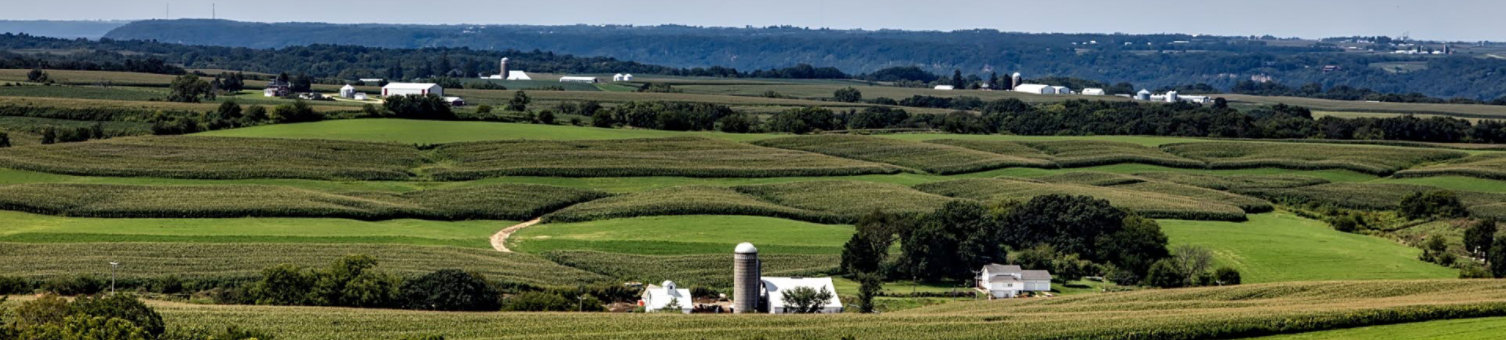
{"x":1148,"y":61}
{"x":61,"y":29}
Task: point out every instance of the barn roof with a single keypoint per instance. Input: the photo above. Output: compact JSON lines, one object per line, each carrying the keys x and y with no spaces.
{"x":411,"y":86}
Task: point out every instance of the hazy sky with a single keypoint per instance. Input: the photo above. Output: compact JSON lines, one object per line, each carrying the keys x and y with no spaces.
{"x":1465,"y":20}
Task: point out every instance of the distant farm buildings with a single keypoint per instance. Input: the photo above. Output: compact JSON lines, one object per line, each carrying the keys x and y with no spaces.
{"x":276,"y":88}
{"x":403,"y":89}
{"x":1171,"y":97}
{"x":1093,"y":91}
{"x":348,"y":91}
{"x":1042,"y":89}
{"x":578,"y":79}
{"x":507,"y":73}
{"x":945,"y":87}
{"x":754,"y":293}
{"x":622,"y":77}
{"x":1007,"y":281}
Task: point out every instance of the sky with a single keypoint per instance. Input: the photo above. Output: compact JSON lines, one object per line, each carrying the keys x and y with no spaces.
{"x":1455,"y":20}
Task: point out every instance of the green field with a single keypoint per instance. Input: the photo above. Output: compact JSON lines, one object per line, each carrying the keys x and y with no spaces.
{"x":32,"y":228}
{"x":1279,"y":247}
{"x":683,"y":235}
{"x":1460,"y":329}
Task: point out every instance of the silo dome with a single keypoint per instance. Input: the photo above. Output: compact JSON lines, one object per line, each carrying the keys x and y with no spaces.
{"x":746,"y":248}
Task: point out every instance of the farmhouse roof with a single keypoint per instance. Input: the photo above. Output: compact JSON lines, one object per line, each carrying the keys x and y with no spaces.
{"x":776,"y":286}
{"x":1035,"y":275}
{"x":995,"y":268}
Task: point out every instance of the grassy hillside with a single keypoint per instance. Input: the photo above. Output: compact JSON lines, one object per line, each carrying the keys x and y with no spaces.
{"x":436,"y":132}
{"x":1280,"y":247}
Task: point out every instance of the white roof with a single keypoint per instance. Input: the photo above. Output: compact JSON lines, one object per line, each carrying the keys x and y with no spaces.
{"x":577,"y":78}
{"x":776,"y":286}
{"x":945,"y":87}
{"x":347,"y":87}
{"x":1032,"y":88}
{"x":411,"y":86}
{"x":657,"y":297}
{"x":1092,"y":91}
{"x":518,"y":75}
{"x":746,"y":248}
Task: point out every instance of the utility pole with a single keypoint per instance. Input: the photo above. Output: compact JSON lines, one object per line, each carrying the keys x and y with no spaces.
{"x":113,"y":264}
{"x":167,"y":11}
{"x":213,"y":14}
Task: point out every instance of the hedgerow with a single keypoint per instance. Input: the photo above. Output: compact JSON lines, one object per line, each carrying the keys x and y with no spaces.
{"x":1488,"y":166}
{"x":1147,"y":203}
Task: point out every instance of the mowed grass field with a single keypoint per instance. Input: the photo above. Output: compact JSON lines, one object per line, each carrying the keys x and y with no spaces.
{"x":683,"y":235}
{"x":1276,"y":247}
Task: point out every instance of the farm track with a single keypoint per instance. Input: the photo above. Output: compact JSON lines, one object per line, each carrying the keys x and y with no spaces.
{"x":499,"y":240}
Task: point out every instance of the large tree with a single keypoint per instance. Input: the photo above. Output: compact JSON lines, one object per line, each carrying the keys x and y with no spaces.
{"x":805,"y":299}
{"x":1478,"y":236}
{"x":189,"y":88}
{"x":866,"y":251}
{"x":950,"y":242}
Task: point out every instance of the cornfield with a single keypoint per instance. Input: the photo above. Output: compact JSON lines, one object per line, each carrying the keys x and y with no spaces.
{"x":817,"y":201}
{"x":934,"y":158}
{"x":1234,"y":182}
{"x":492,"y":201}
{"x":1376,"y":160}
{"x":219,"y":158}
{"x":1194,"y":313}
{"x":1153,"y":204}
{"x":246,"y":260}
{"x":1376,"y":196}
{"x":1490,"y":166}
{"x":678,"y":156}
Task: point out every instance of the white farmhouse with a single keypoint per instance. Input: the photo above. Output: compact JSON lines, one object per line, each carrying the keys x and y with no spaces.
{"x":775,"y":287}
{"x":667,"y":295}
{"x":1035,"y":89}
{"x":403,"y":89}
{"x":1007,"y":281}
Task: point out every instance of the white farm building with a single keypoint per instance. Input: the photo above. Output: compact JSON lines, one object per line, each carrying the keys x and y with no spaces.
{"x":348,"y":91}
{"x":1093,"y":91}
{"x":945,"y":87}
{"x":1035,"y":89}
{"x":775,"y":287}
{"x":575,"y":79}
{"x":622,"y":77}
{"x":667,"y":295}
{"x":1061,"y":90}
{"x":403,"y":89}
{"x":1007,"y":281}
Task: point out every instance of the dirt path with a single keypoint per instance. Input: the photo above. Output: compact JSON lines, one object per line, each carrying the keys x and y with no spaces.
{"x":499,"y":240}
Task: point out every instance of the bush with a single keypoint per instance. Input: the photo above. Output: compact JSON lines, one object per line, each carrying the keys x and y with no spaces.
{"x":298,"y":111}
{"x":1436,"y":203}
{"x":75,"y":285}
{"x":1164,"y":274}
{"x":120,"y":306}
{"x":1226,"y":276}
{"x":450,"y":289}
{"x":4,"y":140}
{"x":848,"y":95}
{"x":14,"y":285}
{"x":419,"y":107}
{"x":538,"y":302}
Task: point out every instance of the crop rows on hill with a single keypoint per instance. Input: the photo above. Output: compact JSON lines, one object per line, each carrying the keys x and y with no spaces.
{"x":492,"y":201}
{"x":820,"y":202}
{"x":1196,"y":313}
{"x":709,"y":270}
{"x":1234,"y":182}
{"x":1490,"y":166}
{"x":246,"y":260}
{"x":218,"y":158}
{"x":1154,"y":204}
{"x":1135,"y":183}
{"x":676,"y":156}
{"x":1377,"y":196}
{"x":935,"y":158}
{"x":1376,"y":160}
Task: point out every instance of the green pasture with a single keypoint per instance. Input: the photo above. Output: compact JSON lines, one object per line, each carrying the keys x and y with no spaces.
{"x":1458,"y":329}
{"x":32,"y":228}
{"x":1278,"y":247}
{"x":683,"y":235}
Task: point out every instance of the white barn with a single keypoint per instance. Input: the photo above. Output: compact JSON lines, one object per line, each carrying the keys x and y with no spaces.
{"x":657,"y":298}
{"x":1093,"y":91}
{"x":1035,"y":89}
{"x":403,"y":89}
{"x":348,"y":91}
{"x":575,"y":79}
{"x":1007,"y":281}
{"x":1061,"y":90}
{"x":774,"y":288}
{"x":518,"y":75}
{"x":945,"y":87}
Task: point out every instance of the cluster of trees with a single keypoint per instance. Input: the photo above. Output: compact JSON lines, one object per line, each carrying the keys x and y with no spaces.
{"x":114,"y":316}
{"x":948,"y":244}
{"x":353,"y":282}
{"x":51,"y":134}
{"x":231,"y":115}
{"x":1432,"y":204}
{"x":1341,"y":92}
{"x":415,"y":106}
{"x":663,"y":116}
{"x":1190,"y":266}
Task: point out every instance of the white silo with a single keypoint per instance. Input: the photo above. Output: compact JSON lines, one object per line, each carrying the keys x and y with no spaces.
{"x":1015,"y":80}
{"x":504,"y":68}
{"x":1171,"y":97}
{"x":746,"y":278}
{"x":1142,"y":95}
